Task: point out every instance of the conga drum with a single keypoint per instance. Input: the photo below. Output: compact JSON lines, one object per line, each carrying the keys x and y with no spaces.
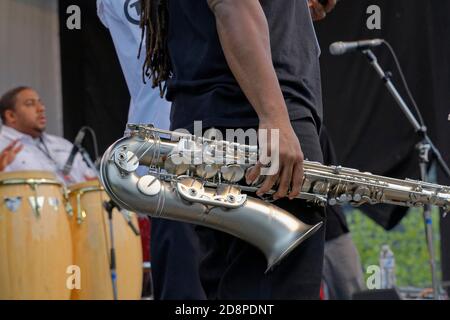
{"x":35,"y":240}
{"x":91,"y":246}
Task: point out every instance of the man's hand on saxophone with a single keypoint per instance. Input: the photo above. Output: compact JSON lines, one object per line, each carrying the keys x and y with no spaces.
{"x":288,"y":161}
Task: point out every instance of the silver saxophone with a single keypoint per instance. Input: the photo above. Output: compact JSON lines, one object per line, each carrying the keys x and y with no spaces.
{"x":184,"y":181}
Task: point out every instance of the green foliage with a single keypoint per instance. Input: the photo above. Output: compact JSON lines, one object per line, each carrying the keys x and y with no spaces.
{"x":407,"y":241}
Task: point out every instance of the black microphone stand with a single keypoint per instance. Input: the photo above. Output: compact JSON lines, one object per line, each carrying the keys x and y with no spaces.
{"x":109,"y":207}
{"x":424,"y":147}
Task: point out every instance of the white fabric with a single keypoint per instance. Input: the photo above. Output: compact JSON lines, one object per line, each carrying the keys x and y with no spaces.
{"x":121,"y":18}
{"x":33,"y":156}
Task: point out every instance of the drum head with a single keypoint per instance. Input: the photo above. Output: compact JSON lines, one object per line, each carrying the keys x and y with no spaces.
{"x":85,"y":185}
{"x":28,"y":175}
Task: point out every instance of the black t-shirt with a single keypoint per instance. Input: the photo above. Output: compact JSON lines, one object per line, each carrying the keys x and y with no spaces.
{"x":203,"y":86}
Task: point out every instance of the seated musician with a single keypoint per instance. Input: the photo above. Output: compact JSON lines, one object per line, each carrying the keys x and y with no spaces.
{"x":24,"y":123}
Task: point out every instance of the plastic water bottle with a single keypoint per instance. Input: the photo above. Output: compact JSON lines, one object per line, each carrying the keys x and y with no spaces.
{"x":387,"y":267}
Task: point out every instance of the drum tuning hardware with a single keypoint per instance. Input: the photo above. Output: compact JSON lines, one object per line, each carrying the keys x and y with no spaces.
{"x":69,"y":209}
{"x":53,"y":202}
{"x":36,"y":203}
{"x":81,"y":216}
{"x":13,"y":204}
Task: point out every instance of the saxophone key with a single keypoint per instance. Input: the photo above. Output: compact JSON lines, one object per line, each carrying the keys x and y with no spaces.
{"x":320,"y":187}
{"x":360,"y":192}
{"x":332,"y":201}
{"x":149,"y":185}
{"x":176,"y":164}
{"x":126,"y":160}
{"x":344,"y":198}
{"x":233,"y":173}
{"x":206,"y":171}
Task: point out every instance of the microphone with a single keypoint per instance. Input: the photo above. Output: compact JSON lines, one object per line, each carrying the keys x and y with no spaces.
{"x":339,"y":48}
{"x":79,"y":138}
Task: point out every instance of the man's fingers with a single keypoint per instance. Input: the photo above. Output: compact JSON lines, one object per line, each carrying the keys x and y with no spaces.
{"x":297,"y":181}
{"x":3,"y":160}
{"x":9,"y":153}
{"x":17,"y":149}
{"x":330,"y":5}
{"x":317,"y":9}
{"x":253,"y":173}
{"x":320,"y":12}
{"x":318,"y":6}
{"x":7,"y":149}
{"x":11,"y":146}
{"x":285,"y":182}
{"x":269,"y":182}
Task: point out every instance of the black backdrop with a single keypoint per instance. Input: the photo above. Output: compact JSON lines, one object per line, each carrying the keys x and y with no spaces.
{"x":369,"y":130}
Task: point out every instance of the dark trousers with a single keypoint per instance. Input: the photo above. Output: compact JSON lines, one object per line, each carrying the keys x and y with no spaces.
{"x":234,"y":269}
{"x":175,"y":261}
{"x":190,"y":264}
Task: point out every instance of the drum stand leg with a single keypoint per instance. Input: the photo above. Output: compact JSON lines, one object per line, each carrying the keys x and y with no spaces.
{"x":109,"y":206}
{"x":147,"y":288}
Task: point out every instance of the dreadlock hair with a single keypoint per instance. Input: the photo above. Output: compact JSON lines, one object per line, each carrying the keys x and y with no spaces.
{"x":154,"y":25}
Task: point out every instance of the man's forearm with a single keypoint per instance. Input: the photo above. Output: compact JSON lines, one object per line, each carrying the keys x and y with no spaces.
{"x":244,"y":36}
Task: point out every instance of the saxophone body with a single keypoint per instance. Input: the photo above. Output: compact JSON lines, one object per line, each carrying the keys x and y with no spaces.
{"x":195,"y":180}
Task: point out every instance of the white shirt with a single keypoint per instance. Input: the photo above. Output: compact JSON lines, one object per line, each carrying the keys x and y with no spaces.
{"x":121,"y":17}
{"x":47,"y":154}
